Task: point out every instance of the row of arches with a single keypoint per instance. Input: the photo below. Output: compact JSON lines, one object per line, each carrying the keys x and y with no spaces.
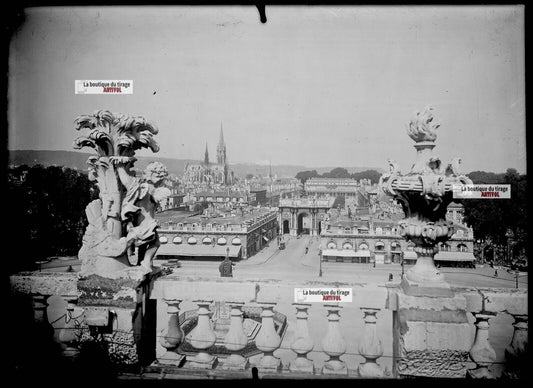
{"x":192,"y":240}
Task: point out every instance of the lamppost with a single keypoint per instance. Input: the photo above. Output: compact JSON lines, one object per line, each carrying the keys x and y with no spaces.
{"x":320,"y":264}
{"x":509,"y":236}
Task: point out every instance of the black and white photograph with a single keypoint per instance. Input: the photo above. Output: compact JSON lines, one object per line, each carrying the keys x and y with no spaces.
{"x":266,"y":192}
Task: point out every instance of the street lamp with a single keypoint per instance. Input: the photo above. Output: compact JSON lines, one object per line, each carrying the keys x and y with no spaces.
{"x":320,"y":264}
{"x":509,"y":235}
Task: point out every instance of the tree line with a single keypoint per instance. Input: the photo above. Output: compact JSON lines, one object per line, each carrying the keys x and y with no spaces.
{"x":339,"y":172}
{"x":46,"y":210}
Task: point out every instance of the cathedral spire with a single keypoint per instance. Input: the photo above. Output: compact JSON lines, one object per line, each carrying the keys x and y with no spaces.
{"x":221,"y":138}
{"x":206,"y":157}
{"x":221,"y":149}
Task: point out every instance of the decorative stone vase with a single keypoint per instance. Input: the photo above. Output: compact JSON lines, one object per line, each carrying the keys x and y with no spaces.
{"x":333,"y":344}
{"x":268,"y":340}
{"x":303,"y":343}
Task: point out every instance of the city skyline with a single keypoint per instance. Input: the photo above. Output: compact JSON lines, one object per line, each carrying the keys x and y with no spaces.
{"x":314,"y":86}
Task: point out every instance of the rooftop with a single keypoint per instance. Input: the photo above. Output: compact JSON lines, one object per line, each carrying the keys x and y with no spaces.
{"x":189,"y":217}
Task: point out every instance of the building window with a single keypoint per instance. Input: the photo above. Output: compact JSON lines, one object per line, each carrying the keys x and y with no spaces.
{"x":347,"y":230}
{"x":222,"y":241}
{"x":177,"y":240}
{"x":163,"y":239}
{"x":395,"y":246}
{"x":236,"y":241}
{"x":380,"y":246}
{"x":462,"y":248}
{"x":347,"y":245}
{"x":444,"y":247}
{"x":363,"y":246}
{"x":332,"y":245}
{"x":207,"y":240}
{"x":379,"y":230}
{"x":191,"y":240}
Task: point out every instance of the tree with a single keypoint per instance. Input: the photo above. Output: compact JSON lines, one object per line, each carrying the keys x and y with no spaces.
{"x":303,"y":176}
{"x":47,"y":210}
{"x":338,"y":172}
{"x":490,"y":218}
{"x":373,"y":175}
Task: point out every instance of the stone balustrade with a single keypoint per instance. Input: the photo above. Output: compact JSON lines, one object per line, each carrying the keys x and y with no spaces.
{"x":225,"y":327}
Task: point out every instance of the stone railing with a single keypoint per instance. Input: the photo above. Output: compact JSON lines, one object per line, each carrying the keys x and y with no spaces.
{"x":349,"y":340}
{"x":224,"y":327}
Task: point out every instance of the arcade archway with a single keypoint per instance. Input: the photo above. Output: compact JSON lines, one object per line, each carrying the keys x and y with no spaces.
{"x":304,"y":223}
{"x":286,"y":228}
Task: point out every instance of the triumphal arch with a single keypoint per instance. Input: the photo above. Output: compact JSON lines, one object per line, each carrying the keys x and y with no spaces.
{"x":303,"y":215}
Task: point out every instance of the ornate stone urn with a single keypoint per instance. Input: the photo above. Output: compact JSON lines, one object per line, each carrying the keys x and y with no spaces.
{"x":424,"y":193}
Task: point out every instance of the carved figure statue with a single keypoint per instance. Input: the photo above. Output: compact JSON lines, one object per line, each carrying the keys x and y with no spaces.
{"x":454,"y":168}
{"x":139,"y":206}
{"x":123,"y":216}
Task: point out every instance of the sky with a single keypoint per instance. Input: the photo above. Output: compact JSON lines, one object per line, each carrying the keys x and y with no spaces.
{"x":314,"y":86}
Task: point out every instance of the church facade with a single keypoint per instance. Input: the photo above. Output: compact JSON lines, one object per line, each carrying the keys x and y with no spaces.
{"x":211,"y":173}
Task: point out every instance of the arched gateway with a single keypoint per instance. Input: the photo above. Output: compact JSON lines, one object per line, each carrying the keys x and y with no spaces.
{"x":303,"y":215}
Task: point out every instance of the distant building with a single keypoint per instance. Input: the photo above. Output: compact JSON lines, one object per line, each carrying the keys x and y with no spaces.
{"x":211,"y":173}
{"x":369,"y":239}
{"x":240,"y":233}
{"x":260,"y":195}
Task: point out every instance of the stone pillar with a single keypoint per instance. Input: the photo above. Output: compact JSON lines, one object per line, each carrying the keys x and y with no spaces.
{"x":236,"y":339}
{"x":333,"y":343}
{"x":370,"y":347}
{"x":268,"y":340}
{"x":303,"y":343}
{"x":431,"y":336}
{"x":202,"y":338}
{"x":174,"y":334}
{"x":516,"y":352}
{"x":482,"y":352}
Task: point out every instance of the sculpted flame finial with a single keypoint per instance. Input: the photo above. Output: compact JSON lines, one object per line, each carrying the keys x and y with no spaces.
{"x":422,"y":127}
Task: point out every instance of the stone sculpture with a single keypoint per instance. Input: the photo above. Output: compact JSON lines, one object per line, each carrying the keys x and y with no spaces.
{"x":123,"y":217}
{"x":424,"y":193}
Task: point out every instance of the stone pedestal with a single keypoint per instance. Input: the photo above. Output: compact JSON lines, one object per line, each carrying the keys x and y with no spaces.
{"x":432,"y":337}
{"x":424,"y":279}
{"x":119,"y":312}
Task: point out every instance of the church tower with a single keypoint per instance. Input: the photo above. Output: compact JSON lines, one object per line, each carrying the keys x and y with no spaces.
{"x":221,"y":149}
{"x":206,"y":157}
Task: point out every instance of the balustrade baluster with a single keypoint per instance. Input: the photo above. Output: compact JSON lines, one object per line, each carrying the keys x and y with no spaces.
{"x":516,"y":352}
{"x":236,"y":339}
{"x":174,"y":334}
{"x":268,"y":340}
{"x":370,"y":348}
{"x":482,"y":352}
{"x":303,"y":343}
{"x":333,"y":343}
{"x":202,"y":338}
{"x":39,"y":304}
